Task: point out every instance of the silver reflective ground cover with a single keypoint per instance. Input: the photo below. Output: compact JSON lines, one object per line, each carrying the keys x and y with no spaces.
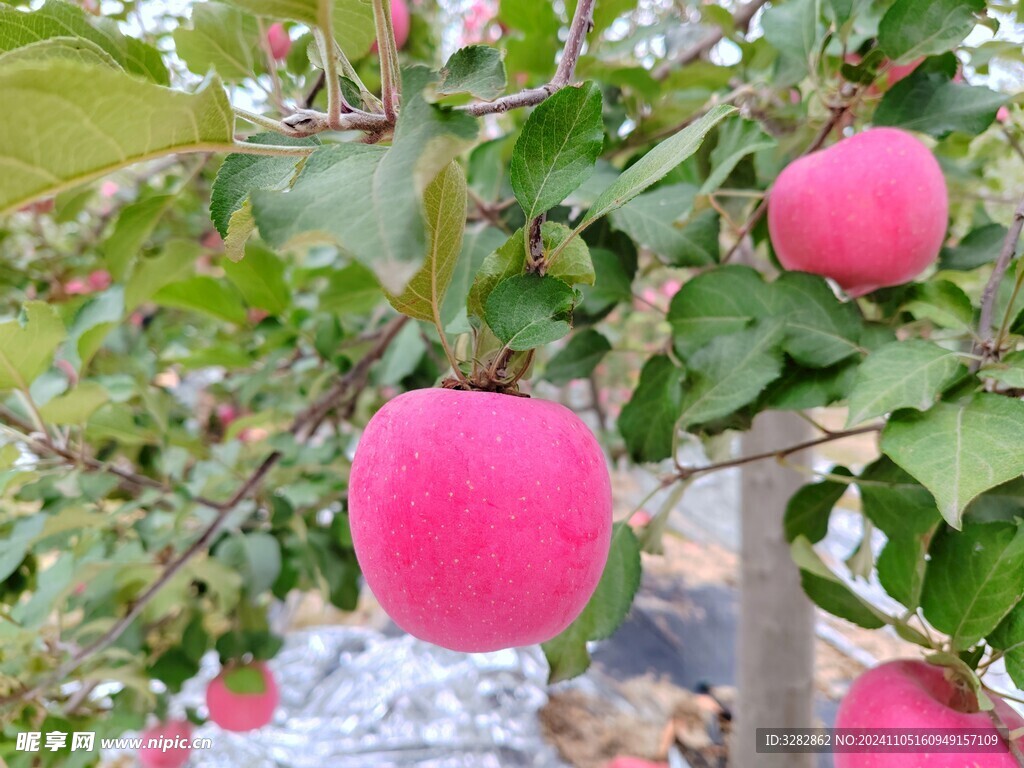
{"x":354,"y":698}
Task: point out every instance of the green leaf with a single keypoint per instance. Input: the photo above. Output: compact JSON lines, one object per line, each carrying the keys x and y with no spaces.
{"x":579,"y":358}
{"x":820,"y":329}
{"x":717,"y":303}
{"x":572,"y":265}
{"x":221,"y":38}
{"x":557,"y":149}
{"x":978,"y":247}
{"x":27,"y":347}
{"x":75,"y":407}
{"x":929,"y":102}
{"x":959,"y":451}
{"x":142,"y":122}
{"x":1009,"y":638}
{"x":809,"y":509}
{"x":478,"y":70}
{"x":477,"y":243}
{"x":903,"y":374}
{"x":208,"y":295}
{"x":240,"y":174}
{"x":351,"y":290}
{"x":914,"y":28}
{"x":829,"y":592}
{"x":134,"y":226}
{"x":736,"y":139}
{"x":653,"y":220}
{"x":973,"y":579}
{"x":71,"y":48}
{"x":260,"y":278}
{"x":245,"y":681}
{"x":444,"y":203}
{"x":567,"y":653}
{"x":801,"y":388}
{"x":895,"y":502}
{"x":378,"y":189}
{"x":528,"y":311}
{"x":254,"y":556}
{"x":352,"y":19}
{"x":1008,"y":371}
{"x":655,"y":165}
{"x":793,"y":30}
{"x":612,"y":283}
{"x":17,"y":541}
{"x":64,"y":20}
{"x":901,"y":567}
{"x":942,"y":302}
{"x":731,"y":372}
{"x":648,"y":420}
{"x":152,"y":274}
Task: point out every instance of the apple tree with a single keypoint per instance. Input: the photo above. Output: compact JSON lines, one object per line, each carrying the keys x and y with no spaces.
{"x":232,"y":236}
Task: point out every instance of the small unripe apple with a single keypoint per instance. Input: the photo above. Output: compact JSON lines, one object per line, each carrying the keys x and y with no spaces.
{"x":910,"y":694}
{"x":868,"y":212}
{"x":242,"y":698}
{"x":1003,"y":114}
{"x":279,"y":41}
{"x":171,"y":732}
{"x":480,"y":521}
{"x":99,"y":280}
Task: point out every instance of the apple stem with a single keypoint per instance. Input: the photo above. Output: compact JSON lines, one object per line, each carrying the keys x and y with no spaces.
{"x":275,"y":81}
{"x":388,"y":48}
{"x":1004,"y":732}
{"x":985,"y":348}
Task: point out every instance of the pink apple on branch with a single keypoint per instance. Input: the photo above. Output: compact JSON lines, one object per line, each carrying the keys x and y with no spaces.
{"x":169,"y":732}
{"x":911,"y":694}
{"x":868,"y":212}
{"x":242,"y":698}
{"x":481,"y":521}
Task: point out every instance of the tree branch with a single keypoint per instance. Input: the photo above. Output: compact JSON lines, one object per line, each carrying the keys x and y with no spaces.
{"x":685,"y":473}
{"x":582,"y":23}
{"x":988,"y":296}
{"x":741,"y":21}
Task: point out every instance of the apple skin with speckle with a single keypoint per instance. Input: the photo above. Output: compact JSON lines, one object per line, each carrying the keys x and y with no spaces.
{"x":869,"y":212}
{"x":169,"y":731}
{"x":909,"y":694}
{"x":481,"y":521}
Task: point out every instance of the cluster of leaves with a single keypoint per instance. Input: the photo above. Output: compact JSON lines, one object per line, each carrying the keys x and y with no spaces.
{"x":139,"y":409}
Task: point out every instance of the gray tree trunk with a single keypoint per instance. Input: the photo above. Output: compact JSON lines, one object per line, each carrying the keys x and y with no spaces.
{"x":776,"y":624}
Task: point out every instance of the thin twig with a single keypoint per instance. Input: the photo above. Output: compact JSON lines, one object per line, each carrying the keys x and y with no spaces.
{"x":741,"y":21}
{"x":390,"y":85}
{"x":582,"y":22}
{"x":318,"y":85}
{"x":988,"y":296}
{"x":275,"y":80}
{"x":1004,"y":733}
{"x":685,"y":473}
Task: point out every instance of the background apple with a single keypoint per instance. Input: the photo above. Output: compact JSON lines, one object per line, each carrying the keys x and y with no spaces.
{"x":915,"y":694}
{"x":868,"y":212}
{"x":279,"y":41}
{"x":634,"y":762}
{"x":402,"y":21}
{"x":170,"y":758}
{"x":242,"y":698}
{"x":481,"y":521}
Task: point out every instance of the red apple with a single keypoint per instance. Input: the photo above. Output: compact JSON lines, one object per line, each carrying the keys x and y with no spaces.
{"x":640,"y":518}
{"x":242,"y":698}
{"x":401,"y":20}
{"x":279,"y":41}
{"x":481,"y":521}
{"x":909,"y":694}
{"x":868,"y":212}
{"x":99,"y":280}
{"x":1003,"y":115}
{"x":634,"y":762}
{"x":171,"y":744}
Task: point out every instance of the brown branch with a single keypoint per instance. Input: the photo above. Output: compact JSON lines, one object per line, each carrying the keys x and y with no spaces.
{"x":536,"y":263}
{"x":308,"y":421}
{"x":988,"y":297}
{"x":741,"y":21}
{"x":582,"y":23}
{"x":318,"y":84}
{"x":685,"y":473}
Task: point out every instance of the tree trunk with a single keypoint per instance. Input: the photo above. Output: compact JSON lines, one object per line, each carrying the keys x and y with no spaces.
{"x":776,"y":623}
